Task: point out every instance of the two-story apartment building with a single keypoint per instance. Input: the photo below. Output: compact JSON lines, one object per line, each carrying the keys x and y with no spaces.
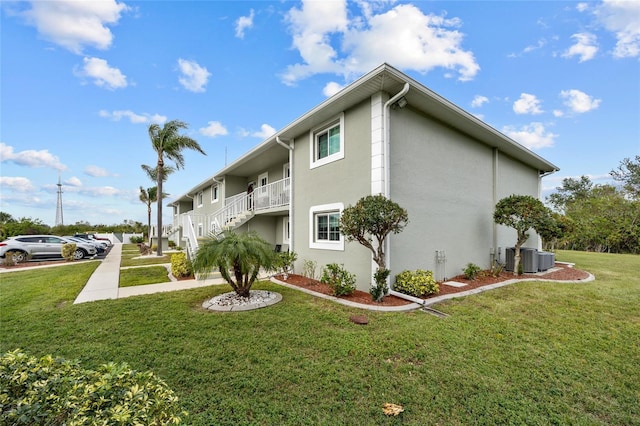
{"x":384,"y":134}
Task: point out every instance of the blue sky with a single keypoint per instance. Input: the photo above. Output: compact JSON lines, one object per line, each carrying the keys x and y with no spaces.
{"x":82,"y":80}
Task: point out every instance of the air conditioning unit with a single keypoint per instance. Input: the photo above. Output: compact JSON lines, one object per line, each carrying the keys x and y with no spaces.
{"x":529,"y":258}
{"x":546,"y":261}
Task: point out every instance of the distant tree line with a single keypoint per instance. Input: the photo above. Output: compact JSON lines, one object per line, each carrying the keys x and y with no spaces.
{"x":10,"y":226}
{"x":600,"y":218}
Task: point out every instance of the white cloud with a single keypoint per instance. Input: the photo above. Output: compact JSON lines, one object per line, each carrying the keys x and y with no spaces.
{"x":74,"y":24}
{"x":30,"y":158}
{"x":95,"y":171}
{"x":532,"y":136}
{"x":194,"y":77}
{"x":581,"y":7}
{"x":17,"y":184}
{"x":133,"y":117}
{"x":73,"y":181}
{"x":558,"y":113}
{"x":585,"y":47}
{"x":265,"y":132}
{"x":100,"y":191}
{"x":623,"y":19}
{"x":579,"y":102}
{"x":478,"y":101}
{"x":527,"y":104}
{"x":404,"y":36}
{"x":102,"y":74}
{"x":213,"y":129}
{"x":331,"y":89}
{"x":243,"y":23}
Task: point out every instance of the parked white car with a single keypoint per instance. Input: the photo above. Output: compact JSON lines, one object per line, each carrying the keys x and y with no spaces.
{"x":42,"y":246}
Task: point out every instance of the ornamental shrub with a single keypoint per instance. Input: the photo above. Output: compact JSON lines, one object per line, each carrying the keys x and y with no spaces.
{"x":136,"y":239}
{"x":54,"y":391}
{"x":379,"y":289}
{"x":472,"y":271}
{"x":68,"y":250}
{"x":418,"y":283}
{"x":180,"y":265}
{"x":341,"y":281}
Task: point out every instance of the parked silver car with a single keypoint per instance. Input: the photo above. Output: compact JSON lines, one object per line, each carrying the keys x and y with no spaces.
{"x":42,"y":246}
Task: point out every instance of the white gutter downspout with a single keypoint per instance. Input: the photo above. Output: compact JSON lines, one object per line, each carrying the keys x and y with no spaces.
{"x":387,"y":161}
{"x":290,"y":147}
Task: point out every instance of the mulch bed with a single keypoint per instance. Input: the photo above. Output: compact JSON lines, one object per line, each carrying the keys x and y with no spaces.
{"x":563,"y":273}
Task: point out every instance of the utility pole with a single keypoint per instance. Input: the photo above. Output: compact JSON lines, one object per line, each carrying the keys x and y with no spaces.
{"x":59,"y":218}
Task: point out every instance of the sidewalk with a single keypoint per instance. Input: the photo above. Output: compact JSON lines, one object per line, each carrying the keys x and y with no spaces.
{"x":105,"y":280}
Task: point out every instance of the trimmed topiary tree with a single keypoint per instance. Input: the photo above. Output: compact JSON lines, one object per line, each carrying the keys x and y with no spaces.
{"x":522,"y":212}
{"x":369,"y":222}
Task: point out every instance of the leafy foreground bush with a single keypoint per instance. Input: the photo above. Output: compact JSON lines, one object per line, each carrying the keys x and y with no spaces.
{"x":341,"y":281}
{"x":54,"y":391}
{"x":418,"y":283}
{"x":180,"y":265}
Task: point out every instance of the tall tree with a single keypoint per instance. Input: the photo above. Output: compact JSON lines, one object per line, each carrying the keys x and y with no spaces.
{"x":148,"y":197}
{"x":522,"y":212}
{"x":628,"y":172}
{"x":374,"y":217}
{"x":168,"y":144}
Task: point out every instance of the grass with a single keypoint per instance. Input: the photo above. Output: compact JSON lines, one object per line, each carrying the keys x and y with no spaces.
{"x":131,"y":251}
{"x":529,"y":353}
{"x":142,"y":276}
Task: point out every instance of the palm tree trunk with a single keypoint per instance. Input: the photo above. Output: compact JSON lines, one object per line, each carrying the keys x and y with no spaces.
{"x":159,"y":185}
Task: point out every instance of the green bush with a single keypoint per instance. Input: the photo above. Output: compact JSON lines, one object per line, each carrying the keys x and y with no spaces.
{"x":419,"y":283}
{"x":136,"y":239}
{"x":342,"y":282}
{"x":67,"y":251}
{"x":472,"y":271}
{"x":54,"y":391}
{"x":172,"y":244}
{"x":309,"y":269}
{"x":284,"y":261}
{"x":180,"y":265}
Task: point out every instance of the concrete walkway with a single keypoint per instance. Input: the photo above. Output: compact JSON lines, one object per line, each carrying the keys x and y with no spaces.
{"x":105,"y":281}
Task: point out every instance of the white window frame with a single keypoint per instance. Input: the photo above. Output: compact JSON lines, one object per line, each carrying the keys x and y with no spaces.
{"x":200,"y":230}
{"x":286,"y":230}
{"x":199,"y":198}
{"x":314,"y":162}
{"x":215,"y":190}
{"x":324,"y":245}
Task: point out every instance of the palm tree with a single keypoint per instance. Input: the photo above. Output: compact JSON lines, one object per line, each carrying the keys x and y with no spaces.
{"x":242,"y":254}
{"x":168,"y":144}
{"x":149,"y":196}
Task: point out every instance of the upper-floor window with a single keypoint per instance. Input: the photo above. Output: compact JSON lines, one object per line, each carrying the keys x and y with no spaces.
{"x":214,"y":193}
{"x":327,"y":142}
{"x":199,"y":200}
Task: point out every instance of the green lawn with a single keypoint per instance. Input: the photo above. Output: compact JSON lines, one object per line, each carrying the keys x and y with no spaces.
{"x":530,"y":353}
{"x":145,"y":275}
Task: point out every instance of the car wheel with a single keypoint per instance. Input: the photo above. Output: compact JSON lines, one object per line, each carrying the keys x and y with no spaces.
{"x":19,"y":256}
{"x":79,"y":254}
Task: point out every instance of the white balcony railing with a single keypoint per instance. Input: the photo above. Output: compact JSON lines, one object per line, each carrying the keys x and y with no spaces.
{"x":273,"y":195}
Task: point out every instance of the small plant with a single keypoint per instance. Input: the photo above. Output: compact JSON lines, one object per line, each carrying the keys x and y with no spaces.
{"x":341,"y":281}
{"x":67,"y":251}
{"x":309,"y":269}
{"x":180,"y":265}
{"x":284,"y":262}
{"x":496,"y":269}
{"x":154,"y":247}
{"x":172,"y":244}
{"x":472,"y":271}
{"x":418,"y":283}
{"x":380,"y":287}
{"x":54,"y":391}
{"x":13,"y":257}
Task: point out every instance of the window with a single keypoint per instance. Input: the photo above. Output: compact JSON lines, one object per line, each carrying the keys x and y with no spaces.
{"x":327,"y":142}
{"x":214,"y":193}
{"x":200,"y":230}
{"x":286,"y":230}
{"x":324,"y":227}
{"x":200,"y":199}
